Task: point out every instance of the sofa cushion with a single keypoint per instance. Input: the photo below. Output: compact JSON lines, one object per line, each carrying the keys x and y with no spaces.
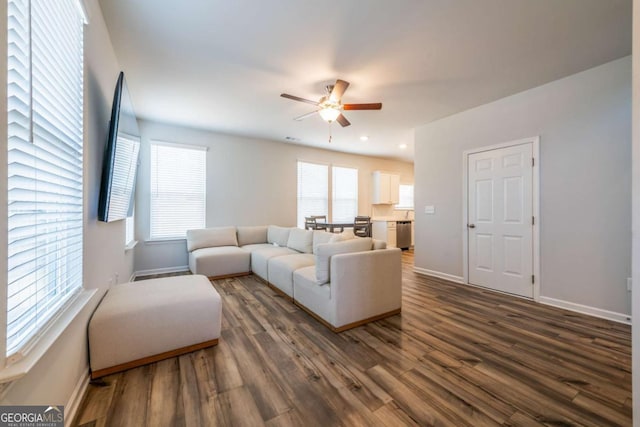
{"x":220,"y":261}
{"x":341,"y":237}
{"x":320,"y":237}
{"x":281,"y":269}
{"x":211,"y":237}
{"x":256,"y":247}
{"x":312,"y":296}
{"x":379,"y":244}
{"x":301,"y":240}
{"x":252,"y":235}
{"x":327,"y":250}
{"x":278,"y":235}
{"x":260,"y":259}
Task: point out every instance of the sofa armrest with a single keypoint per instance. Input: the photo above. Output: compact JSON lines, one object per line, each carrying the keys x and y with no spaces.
{"x":365,"y":284}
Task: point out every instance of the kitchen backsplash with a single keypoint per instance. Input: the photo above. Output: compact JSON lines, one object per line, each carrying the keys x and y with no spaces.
{"x":387,"y":211}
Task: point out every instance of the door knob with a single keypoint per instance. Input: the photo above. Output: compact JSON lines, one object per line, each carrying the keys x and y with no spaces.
{"x":471,"y":225}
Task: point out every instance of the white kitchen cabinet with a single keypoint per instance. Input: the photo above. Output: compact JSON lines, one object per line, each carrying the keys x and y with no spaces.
{"x":386,"y":188}
{"x":386,"y":231}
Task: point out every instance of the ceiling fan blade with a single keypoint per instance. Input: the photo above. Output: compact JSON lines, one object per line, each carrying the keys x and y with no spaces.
{"x":338,"y":90}
{"x":372,"y":106}
{"x":304,"y":116}
{"x":297,"y":98}
{"x":343,"y":121}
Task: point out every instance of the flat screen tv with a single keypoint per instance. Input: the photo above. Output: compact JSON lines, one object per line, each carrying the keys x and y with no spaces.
{"x":120,"y":158}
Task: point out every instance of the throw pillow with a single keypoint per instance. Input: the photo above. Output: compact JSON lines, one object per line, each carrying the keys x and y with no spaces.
{"x":320,"y":237}
{"x":301,"y":240}
{"x":279,"y":235}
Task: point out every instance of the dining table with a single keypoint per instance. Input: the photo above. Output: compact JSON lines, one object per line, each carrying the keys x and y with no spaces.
{"x":334,"y":227}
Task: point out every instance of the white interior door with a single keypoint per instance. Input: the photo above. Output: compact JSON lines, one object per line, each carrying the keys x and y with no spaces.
{"x":500,"y":219}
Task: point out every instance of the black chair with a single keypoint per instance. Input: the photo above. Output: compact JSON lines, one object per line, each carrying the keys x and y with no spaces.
{"x":321,"y":221}
{"x":362,"y":226}
{"x":315,"y":222}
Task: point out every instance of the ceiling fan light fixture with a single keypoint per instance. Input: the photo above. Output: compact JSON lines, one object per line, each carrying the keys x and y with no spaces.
{"x":329,"y":114}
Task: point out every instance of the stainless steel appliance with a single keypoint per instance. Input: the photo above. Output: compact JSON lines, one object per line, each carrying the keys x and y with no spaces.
{"x":403,"y":234}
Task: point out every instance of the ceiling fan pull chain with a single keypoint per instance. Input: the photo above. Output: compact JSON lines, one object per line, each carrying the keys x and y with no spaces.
{"x":330,"y":136}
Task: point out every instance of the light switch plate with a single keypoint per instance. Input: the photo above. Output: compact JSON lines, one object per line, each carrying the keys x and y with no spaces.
{"x":430,"y":210}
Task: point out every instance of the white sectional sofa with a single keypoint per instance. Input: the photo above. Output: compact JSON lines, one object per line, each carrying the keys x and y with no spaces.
{"x":342,"y":280}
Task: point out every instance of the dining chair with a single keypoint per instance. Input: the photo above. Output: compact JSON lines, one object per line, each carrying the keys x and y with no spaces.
{"x":321,"y":221}
{"x":362,"y":226}
{"x":315,"y":222}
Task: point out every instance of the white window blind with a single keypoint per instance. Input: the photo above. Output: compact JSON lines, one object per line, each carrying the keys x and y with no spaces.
{"x":124,"y":176}
{"x":345,"y":194}
{"x":45,"y":107}
{"x":178,"y":187}
{"x":313,"y":190}
{"x":406,"y":197}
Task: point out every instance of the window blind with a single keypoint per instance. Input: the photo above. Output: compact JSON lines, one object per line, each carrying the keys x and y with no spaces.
{"x":45,"y":136}
{"x":313,"y":190}
{"x":406,"y":197}
{"x":124,"y":176}
{"x":345,"y":194}
{"x":178,"y":187}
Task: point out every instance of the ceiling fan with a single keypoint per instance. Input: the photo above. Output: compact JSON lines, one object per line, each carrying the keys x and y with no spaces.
{"x":330,"y":106}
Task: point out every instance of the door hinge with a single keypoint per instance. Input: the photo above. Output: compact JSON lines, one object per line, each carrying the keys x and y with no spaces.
{"x":533,"y":279}
{"x":533,"y":220}
{"x":533,"y":161}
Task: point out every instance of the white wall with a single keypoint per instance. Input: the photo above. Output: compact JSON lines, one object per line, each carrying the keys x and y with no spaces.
{"x":584,"y":122}
{"x":53,"y":379}
{"x":249,"y":182}
{"x":635,"y":309}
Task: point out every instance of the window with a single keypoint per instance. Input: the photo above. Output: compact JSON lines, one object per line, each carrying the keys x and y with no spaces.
{"x":406,"y":197}
{"x":129,"y":231}
{"x":45,"y":116}
{"x":345,"y":194}
{"x":313,"y":190}
{"x":178,"y":189}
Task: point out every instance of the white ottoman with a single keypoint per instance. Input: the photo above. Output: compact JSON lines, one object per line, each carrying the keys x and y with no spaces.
{"x":143,"y":322}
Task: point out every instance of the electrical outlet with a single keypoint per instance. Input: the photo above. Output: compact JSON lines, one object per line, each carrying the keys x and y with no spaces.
{"x":629,"y":284}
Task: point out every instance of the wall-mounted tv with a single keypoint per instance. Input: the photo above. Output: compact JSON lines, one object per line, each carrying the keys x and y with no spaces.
{"x":120,"y":158}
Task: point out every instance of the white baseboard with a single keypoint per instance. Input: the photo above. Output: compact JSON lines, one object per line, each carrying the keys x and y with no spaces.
{"x":439,"y":275}
{"x":585,"y":309}
{"x":73,"y":405}
{"x":175,"y":269}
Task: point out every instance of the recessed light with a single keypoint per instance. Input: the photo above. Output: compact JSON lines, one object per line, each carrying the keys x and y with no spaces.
{"x":292,"y":138}
{"x":364,"y":138}
{"x":402,"y":146}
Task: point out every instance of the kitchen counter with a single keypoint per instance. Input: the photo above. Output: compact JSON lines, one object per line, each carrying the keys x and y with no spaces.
{"x":389,"y":219}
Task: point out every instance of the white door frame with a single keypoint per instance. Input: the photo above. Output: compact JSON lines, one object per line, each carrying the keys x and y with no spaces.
{"x":535,"y":142}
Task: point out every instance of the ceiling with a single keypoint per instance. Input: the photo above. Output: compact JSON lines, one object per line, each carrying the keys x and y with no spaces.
{"x":221,"y":65}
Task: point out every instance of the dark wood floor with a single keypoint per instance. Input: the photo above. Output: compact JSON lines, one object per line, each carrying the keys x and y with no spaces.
{"x":456,"y":356}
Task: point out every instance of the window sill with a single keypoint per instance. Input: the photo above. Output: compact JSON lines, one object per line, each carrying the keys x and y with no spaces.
{"x":21,"y":367}
{"x":132,"y":244}
{"x":165,"y":241}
